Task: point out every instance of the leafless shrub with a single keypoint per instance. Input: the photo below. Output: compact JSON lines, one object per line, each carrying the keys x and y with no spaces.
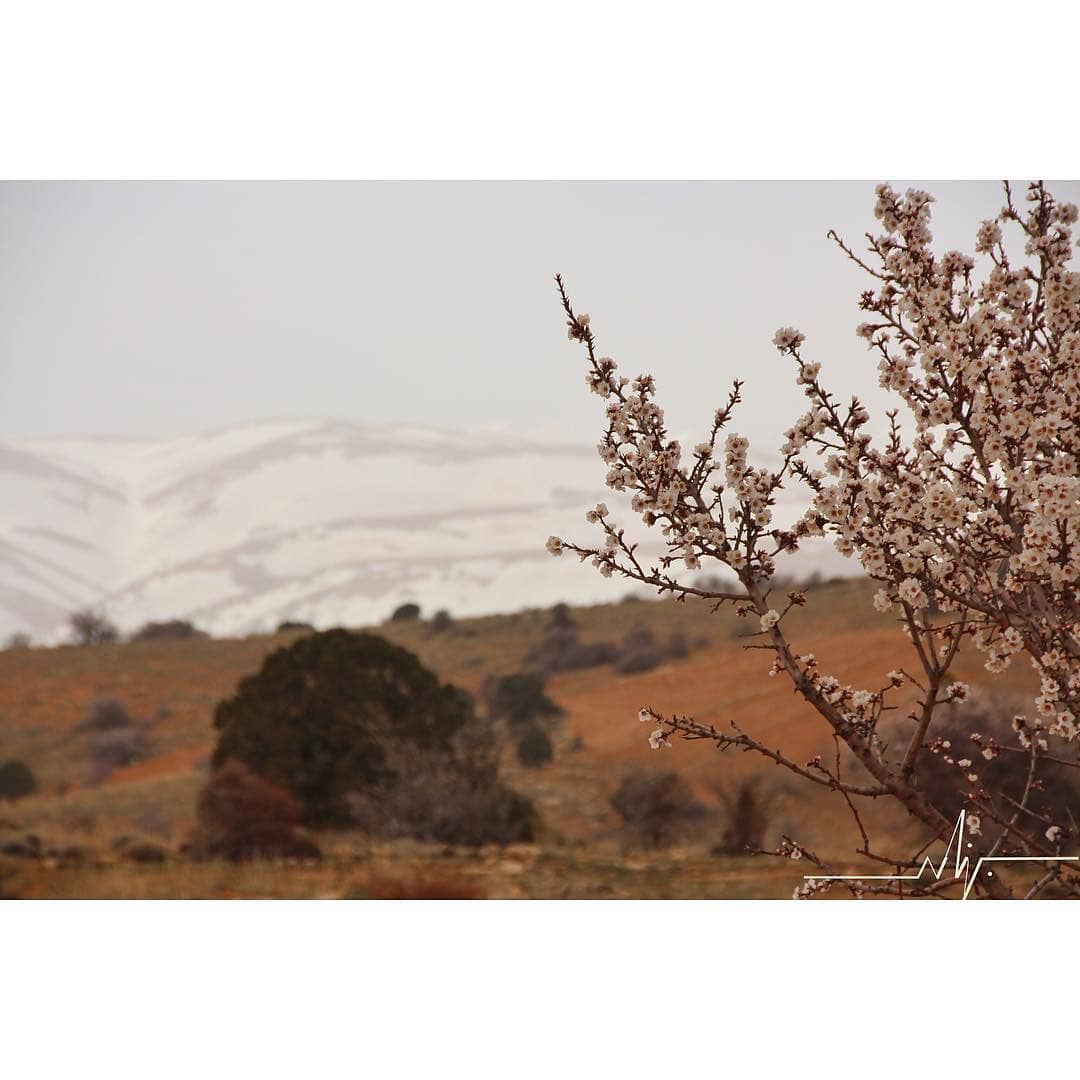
{"x":678,"y":647}
{"x":452,"y":799}
{"x":656,"y":807}
{"x":116,"y":739}
{"x":110,"y":750}
{"x":105,"y":714}
{"x":1051,"y":793}
{"x":89,"y":627}
{"x":562,"y":650}
{"x":748,"y":805}
{"x":639,"y":652}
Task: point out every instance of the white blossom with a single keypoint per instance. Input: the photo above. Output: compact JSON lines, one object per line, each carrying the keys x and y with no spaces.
{"x":787,"y":337}
{"x":658,"y":739}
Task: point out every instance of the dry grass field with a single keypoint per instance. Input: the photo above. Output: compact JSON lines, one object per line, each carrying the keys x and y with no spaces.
{"x":581,"y":850}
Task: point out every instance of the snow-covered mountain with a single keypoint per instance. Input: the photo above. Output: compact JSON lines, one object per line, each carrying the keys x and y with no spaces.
{"x":325,"y":522}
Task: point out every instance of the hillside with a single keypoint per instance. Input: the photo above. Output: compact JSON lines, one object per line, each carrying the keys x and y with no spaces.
{"x":175,"y":685}
{"x":329,"y":523}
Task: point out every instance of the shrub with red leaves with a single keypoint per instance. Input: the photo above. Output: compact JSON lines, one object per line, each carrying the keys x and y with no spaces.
{"x":242,"y":816}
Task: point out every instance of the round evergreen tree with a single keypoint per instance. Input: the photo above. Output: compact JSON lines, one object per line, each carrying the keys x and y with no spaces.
{"x":322,"y":717}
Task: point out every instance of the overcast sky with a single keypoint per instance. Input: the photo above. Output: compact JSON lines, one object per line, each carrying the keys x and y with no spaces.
{"x":166,"y":309}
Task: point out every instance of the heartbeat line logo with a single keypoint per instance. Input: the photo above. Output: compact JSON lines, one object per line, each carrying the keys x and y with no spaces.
{"x":961,"y":868}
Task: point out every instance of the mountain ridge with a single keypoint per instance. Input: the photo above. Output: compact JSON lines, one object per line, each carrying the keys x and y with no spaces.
{"x":328,"y":521}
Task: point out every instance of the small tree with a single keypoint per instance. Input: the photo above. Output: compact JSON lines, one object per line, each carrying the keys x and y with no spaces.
{"x":406,"y":613}
{"x":968,"y":518}
{"x":90,"y":627}
{"x":16,"y":781}
{"x":18,"y":640}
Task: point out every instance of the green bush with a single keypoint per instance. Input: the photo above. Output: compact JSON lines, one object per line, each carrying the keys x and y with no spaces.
{"x":356,"y":728}
{"x":170,"y":630}
{"x":518,"y":700}
{"x":16,"y":780}
{"x":406,"y":613}
{"x":534,"y":748}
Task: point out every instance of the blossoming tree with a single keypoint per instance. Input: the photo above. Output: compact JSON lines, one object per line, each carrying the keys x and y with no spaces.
{"x":966,"y":515}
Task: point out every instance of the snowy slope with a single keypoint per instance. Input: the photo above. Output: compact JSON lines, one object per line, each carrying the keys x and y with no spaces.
{"x":326,"y":522}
